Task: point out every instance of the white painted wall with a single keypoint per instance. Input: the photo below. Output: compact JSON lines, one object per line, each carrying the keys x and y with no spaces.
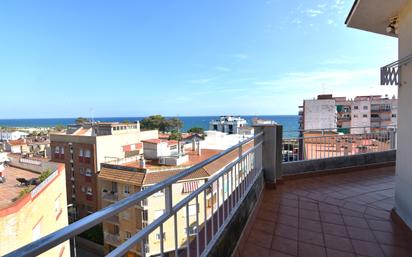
{"x":358,"y":116}
{"x":403,"y":187}
{"x":320,"y":114}
{"x":14,"y":135}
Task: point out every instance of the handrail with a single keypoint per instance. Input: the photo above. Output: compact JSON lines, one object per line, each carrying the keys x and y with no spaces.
{"x":47,"y":242}
{"x":329,"y":129}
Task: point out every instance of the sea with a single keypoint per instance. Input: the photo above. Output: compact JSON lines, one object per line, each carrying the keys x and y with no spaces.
{"x":289,"y":122}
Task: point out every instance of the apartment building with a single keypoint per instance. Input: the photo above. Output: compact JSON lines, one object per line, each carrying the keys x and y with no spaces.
{"x":117,"y":181}
{"x":356,"y":115}
{"x":12,"y":135}
{"x":227,"y":124}
{"x":82,"y":148}
{"x":30,"y":210}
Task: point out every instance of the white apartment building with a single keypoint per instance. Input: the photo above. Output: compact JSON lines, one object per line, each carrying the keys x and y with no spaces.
{"x":12,"y":135}
{"x":228,"y":124}
{"x":356,"y":115}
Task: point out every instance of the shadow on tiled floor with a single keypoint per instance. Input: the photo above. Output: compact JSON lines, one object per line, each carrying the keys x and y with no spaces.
{"x":339,"y":215}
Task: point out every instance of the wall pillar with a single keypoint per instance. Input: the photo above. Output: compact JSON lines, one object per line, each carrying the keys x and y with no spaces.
{"x":271,"y":152}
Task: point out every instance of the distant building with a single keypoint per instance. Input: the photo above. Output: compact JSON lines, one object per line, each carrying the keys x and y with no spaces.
{"x":120,"y":179}
{"x":16,"y":146}
{"x":356,"y":115}
{"x":12,"y":135}
{"x":84,"y":147}
{"x":227,"y":124}
{"x":29,"y":212}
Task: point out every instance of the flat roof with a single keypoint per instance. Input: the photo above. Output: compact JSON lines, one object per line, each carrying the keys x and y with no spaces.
{"x":10,"y":190}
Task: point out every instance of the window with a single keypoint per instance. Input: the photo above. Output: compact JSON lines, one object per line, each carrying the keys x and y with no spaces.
{"x":144,"y":215}
{"x":144,"y":202}
{"x":158,"y":236}
{"x":356,"y":107}
{"x":365,"y":107}
{"x":126,"y":189}
{"x":355,"y":116}
{"x":192,"y":210}
{"x":89,"y":191}
{"x":191,"y":231}
{"x":88,"y":172}
{"x":81,"y":171}
{"x":127,"y":235}
{"x":158,"y":213}
{"x":81,"y":153}
{"x":62,"y":150}
{"x":36,"y":232}
{"x":87,"y":155}
{"x":365,"y":116}
{"x":57,"y":149}
{"x":393,"y":115}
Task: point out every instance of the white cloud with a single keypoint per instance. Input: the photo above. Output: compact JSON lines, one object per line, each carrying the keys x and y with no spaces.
{"x":240,"y":56}
{"x":313,"y":12}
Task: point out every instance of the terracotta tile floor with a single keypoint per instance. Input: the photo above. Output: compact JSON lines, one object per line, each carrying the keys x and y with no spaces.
{"x":340,"y":215}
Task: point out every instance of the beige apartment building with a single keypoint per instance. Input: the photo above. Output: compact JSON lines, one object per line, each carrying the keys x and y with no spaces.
{"x":117,"y":181}
{"x":29,"y":212}
{"x":83,"y":147}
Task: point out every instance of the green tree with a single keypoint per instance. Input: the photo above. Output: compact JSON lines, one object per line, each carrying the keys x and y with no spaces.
{"x":81,"y":120}
{"x":174,"y":124}
{"x":196,"y":130}
{"x":175,"y":135}
{"x":59,"y":127}
{"x":161,"y":123}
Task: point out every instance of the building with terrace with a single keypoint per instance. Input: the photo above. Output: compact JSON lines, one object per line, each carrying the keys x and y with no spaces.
{"x":23,"y":198}
{"x":82,"y":148}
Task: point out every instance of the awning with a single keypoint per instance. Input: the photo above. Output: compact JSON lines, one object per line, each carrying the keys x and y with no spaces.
{"x":189,"y":187}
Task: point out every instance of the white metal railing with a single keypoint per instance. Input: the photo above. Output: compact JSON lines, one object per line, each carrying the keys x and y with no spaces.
{"x":224,"y":192}
{"x":325,"y":143}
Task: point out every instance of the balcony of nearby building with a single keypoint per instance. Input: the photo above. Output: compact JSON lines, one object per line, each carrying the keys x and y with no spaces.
{"x":323,"y":194}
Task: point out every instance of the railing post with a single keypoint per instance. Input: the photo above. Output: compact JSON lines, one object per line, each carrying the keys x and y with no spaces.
{"x":271,"y":152}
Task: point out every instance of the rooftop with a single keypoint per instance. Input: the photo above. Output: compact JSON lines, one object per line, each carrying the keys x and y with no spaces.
{"x":343,"y":214}
{"x":9,"y":191}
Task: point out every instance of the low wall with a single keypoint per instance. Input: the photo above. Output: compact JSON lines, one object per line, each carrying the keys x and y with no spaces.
{"x":34,"y":165}
{"x":334,"y":163}
{"x":226,"y":244}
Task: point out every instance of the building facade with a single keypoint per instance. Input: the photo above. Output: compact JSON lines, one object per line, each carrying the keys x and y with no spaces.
{"x":344,"y":115}
{"x":23,"y":216}
{"x":227,"y":124}
{"x":84,"y":147}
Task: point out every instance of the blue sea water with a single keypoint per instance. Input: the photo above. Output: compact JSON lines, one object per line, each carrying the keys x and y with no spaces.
{"x":289,"y":122}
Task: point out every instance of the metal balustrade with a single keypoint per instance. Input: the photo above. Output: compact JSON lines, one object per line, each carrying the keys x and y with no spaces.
{"x":327,"y":143}
{"x":223,"y":192}
{"x":390,"y":73}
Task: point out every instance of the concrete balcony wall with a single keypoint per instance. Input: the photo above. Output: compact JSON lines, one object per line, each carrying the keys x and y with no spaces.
{"x":341,"y":162}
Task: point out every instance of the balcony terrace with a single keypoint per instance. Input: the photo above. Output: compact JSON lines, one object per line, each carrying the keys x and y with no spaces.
{"x":346,"y":214}
{"x":333,"y":203}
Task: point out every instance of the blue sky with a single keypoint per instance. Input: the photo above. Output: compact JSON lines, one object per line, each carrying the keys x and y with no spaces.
{"x":208,"y":57}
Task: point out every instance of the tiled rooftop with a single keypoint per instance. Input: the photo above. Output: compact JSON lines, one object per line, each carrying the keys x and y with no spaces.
{"x":340,"y":215}
{"x":10,"y":190}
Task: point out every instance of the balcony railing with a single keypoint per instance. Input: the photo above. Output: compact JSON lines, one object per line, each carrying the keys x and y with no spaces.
{"x":324,"y":143}
{"x":390,"y":72}
{"x":112,"y":197}
{"x":231,"y":184}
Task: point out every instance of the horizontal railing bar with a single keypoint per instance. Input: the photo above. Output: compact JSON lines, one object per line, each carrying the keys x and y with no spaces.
{"x":47,"y":242}
{"x":335,"y":136}
{"x":123,"y":248}
{"x":329,"y":129}
{"x":399,"y":62}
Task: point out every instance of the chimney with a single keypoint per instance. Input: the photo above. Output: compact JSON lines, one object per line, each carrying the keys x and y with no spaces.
{"x":199,"y":151}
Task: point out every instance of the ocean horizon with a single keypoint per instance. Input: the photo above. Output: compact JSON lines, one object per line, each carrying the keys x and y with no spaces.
{"x":289,"y":122}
